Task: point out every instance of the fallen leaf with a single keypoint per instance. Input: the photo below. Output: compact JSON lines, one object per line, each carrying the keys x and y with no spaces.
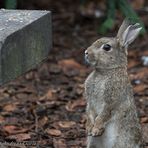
{"x":43,"y":121}
{"x":66,"y":124}
{"x":59,"y":143}
{"x":132,"y":53}
{"x":4,"y":96}
{"x":9,"y":107}
{"x":19,"y":137}
{"x":53,"y":132}
{"x":141,"y":74}
{"x":133,"y":63}
{"x":139,"y":88}
{"x":144,"y":120}
{"x":72,"y":105}
{"x":28,"y":89}
{"x":2,"y":120}
{"x":70,"y":67}
{"x":22,"y":95}
{"x":11,"y":129}
{"x":71,"y":72}
{"x":70,"y":63}
{"x":47,"y":96}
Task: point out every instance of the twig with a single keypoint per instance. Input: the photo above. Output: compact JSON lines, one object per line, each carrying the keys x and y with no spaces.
{"x":36,"y":121}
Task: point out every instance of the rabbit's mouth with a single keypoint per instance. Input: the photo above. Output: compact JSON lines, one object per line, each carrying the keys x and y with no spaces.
{"x":86,"y":58}
{"x":89,"y":60}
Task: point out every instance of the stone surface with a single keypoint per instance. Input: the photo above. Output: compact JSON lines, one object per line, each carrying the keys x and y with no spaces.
{"x":25,"y":40}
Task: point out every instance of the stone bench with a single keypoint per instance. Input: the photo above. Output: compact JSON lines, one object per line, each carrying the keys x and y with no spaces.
{"x":25,"y":40}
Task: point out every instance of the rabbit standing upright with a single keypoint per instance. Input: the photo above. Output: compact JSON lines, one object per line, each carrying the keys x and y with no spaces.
{"x":112,"y":120}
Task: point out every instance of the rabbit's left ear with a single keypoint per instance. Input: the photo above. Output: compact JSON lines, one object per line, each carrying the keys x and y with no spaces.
{"x":129,"y":35}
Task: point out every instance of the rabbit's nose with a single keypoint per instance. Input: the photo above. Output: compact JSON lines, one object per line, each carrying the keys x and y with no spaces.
{"x":86,"y":52}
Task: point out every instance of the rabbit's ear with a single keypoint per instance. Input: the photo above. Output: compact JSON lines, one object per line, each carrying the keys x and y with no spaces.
{"x":122,"y":28}
{"x":129,"y":35}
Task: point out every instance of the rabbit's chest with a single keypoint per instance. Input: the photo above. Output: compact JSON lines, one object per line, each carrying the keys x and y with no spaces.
{"x":95,"y":89}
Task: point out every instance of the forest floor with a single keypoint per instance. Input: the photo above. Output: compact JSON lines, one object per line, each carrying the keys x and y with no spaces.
{"x":46,"y":105}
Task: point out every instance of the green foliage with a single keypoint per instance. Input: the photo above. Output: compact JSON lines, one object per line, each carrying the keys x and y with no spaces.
{"x":108,"y":24}
{"x":127,"y":11}
{"x":10,"y":4}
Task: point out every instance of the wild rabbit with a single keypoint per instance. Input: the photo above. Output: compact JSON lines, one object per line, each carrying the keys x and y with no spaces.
{"x":112,"y":120}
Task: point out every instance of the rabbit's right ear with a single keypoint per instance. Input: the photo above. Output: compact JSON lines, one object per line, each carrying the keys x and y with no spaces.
{"x":127,"y":33}
{"x":122,"y":28}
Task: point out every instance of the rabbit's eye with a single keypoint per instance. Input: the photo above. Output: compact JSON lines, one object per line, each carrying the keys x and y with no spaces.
{"x":107,"y":47}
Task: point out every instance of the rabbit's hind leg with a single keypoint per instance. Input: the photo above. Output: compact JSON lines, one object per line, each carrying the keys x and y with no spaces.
{"x":110,"y":135}
{"x":95,"y":142}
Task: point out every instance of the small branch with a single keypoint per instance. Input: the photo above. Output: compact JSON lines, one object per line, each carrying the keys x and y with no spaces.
{"x":36,"y":121}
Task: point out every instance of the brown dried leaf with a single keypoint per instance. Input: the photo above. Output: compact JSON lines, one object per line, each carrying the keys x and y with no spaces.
{"x":142,"y":73}
{"x":140,"y":88}
{"x":9,"y":107}
{"x":72,"y":105}
{"x":66,"y":124}
{"x":28,"y":89}
{"x":43,"y":121}
{"x":53,"y":132}
{"x":4,"y":95}
{"x":2,"y":120}
{"x":144,"y":120}
{"x":70,"y":67}
{"x":59,"y":143}
{"x":19,"y":137}
{"x":11,"y":129}
{"x":132,"y":54}
{"x":48,"y":96}
{"x":22,"y":95}
{"x":71,"y":72}
{"x":70,"y":63}
{"x":133,"y":63}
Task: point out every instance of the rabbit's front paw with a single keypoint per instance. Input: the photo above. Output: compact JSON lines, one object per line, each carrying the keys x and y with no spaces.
{"x":89,"y":129}
{"x":97,"y":131}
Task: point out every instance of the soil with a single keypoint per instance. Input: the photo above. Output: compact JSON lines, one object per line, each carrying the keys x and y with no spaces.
{"x":46,"y":105}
